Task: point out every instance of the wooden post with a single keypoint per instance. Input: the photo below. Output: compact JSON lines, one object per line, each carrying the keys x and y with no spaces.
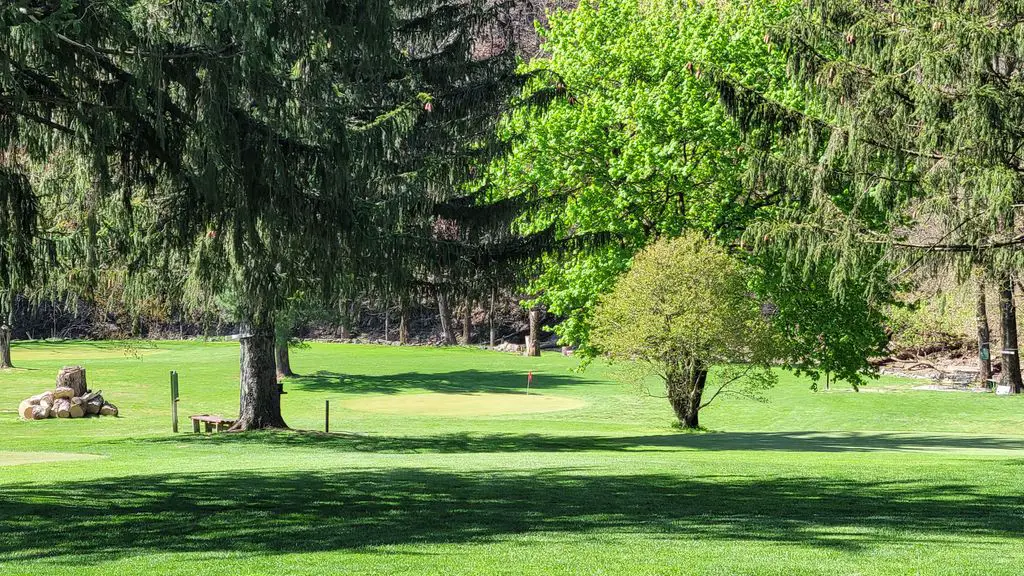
{"x":327,"y":416}
{"x":174,"y":401}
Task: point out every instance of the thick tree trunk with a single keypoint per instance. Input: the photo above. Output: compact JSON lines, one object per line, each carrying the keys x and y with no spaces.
{"x":284,"y":361}
{"x":446,"y":319}
{"x":5,"y":346}
{"x":260,"y":398}
{"x":467,"y":321}
{"x":685,"y":391}
{"x":533,"y":344}
{"x":1008,"y":321}
{"x":984,"y":335}
{"x":490,"y":320}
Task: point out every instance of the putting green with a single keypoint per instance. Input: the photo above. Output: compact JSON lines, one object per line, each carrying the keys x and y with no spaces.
{"x":16,"y":458}
{"x":464,"y":404}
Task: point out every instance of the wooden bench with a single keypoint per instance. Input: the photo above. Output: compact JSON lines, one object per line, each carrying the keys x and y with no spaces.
{"x":212,"y":423}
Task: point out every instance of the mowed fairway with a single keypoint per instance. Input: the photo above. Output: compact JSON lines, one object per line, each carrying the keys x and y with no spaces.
{"x":478,"y":482}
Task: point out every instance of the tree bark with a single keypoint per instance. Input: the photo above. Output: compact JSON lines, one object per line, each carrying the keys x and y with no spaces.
{"x":685,"y":390}
{"x":260,"y":395}
{"x":446,"y":319}
{"x":1008,"y":321}
{"x":5,"y":346}
{"x":533,"y":346}
{"x":467,"y":321}
{"x":283,"y":359}
{"x":984,"y":335}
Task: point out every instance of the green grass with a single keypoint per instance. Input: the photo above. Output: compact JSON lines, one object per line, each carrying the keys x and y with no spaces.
{"x":900,"y":482}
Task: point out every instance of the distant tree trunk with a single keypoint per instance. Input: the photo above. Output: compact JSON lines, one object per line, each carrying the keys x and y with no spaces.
{"x":403,"y":324}
{"x":284,"y":361}
{"x":984,"y":335}
{"x":387,"y":324}
{"x":533,"y":346}
{"x":1008,"y":322}
{"x":260,"y":398}
{"x":6,"y":322}
{"x":490,"y":320}
{"x":5,"y":346}
{"x":467,"y":321}
{"x":346,"y":319}
{"x":446,"y":319}
{"x":685,"y":390}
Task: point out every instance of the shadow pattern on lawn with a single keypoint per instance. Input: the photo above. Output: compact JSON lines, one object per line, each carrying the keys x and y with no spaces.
{"x":308,"y":511}
{"x":477,"y":443}
{"x":457,"y":381}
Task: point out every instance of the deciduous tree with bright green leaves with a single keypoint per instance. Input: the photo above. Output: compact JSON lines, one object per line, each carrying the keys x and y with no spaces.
{"x":682,"y":310}
{"x":639,"y":146}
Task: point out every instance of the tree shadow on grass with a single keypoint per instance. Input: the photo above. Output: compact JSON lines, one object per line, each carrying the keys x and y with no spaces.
{"x":452,"y":382}
{"x":472,"y":442}
{"x":306,"y":511}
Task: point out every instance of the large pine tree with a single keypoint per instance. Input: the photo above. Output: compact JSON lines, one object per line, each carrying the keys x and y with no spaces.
{"x":278,"y":143}
{"x":909,"y":138}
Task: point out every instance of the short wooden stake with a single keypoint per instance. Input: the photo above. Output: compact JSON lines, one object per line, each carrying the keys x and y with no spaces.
{"x":327,"y":416}
{"x":174,"y":401}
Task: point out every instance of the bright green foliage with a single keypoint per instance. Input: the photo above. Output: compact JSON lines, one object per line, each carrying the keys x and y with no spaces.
{"x":638,"y":147}
{"x":684,"y":308}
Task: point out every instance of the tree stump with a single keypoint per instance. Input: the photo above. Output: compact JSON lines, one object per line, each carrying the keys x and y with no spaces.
{"x":73,"y":377}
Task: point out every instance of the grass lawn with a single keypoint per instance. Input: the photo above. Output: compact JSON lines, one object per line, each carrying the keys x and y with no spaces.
{"x":588,"y":478}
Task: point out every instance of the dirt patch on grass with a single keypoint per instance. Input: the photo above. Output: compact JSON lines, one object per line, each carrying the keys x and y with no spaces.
{"x":467,"y":405}
{"x":18,"y":458}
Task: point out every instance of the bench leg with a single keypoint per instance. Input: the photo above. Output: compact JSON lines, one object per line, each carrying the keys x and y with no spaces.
{"x":195,"y":426}
{"x":209,"y":426}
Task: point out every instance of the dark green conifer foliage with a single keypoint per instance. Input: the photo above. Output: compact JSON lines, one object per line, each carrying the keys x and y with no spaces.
{"x":909,"y":141}
{"x":279,"y":143}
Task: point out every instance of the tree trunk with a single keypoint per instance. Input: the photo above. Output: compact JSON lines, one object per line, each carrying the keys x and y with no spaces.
{"x":260,"y":398}
{"x":533,"y":345}
{"x":685,"y":390}
{"x":5,"y":346}
{"x":446,"y":319}
{"x":467,"y":321}
{"x":984,"y":345}
{"x":403,"y":325}
{"x":1008,"y":321}
{"x":284,"y":362}
{"x":490,"y":320}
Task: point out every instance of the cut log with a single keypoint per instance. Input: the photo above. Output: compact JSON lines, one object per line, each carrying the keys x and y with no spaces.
{"x":91,"y":395}
{"x":41,"y":412}
{"x":92,"y":407}
{"x":73,"y":377}
{"x":76,"y":411}
{"x":108,"y":410}
{"x":64,"y":392}
{"x":62,"y":408}
{"x":25,"y":409}
{"x":78,"y":400}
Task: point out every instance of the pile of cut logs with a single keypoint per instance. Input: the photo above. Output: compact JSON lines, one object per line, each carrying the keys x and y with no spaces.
{"x":71,"y":399}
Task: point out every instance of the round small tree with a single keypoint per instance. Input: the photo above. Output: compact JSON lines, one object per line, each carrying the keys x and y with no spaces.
{"x":681,"y":310}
